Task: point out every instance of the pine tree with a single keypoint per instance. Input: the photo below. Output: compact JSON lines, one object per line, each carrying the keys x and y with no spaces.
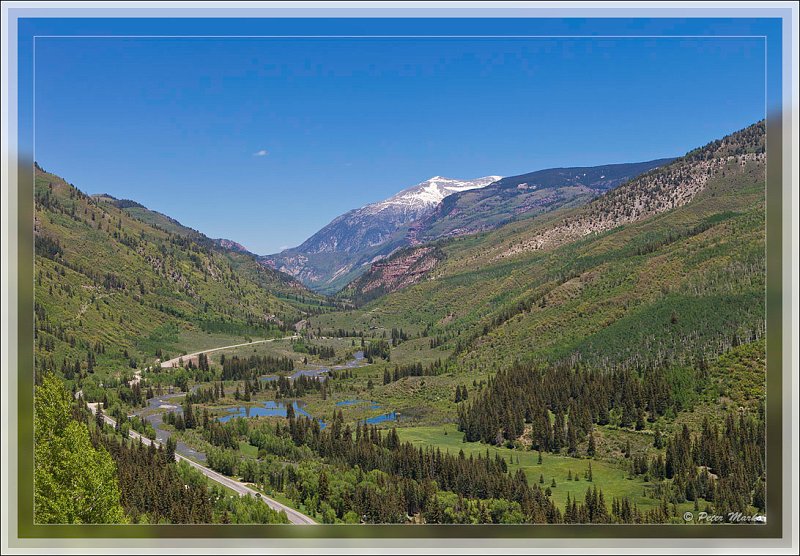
{"x":99,"y":421}
{"x":658,"y":441}
{"x":640,"y":421}
{"x":170,"y":448}
{"x":322,"y":485}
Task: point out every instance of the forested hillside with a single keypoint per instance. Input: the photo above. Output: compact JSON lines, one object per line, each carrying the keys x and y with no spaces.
{"x":115,"y":289}
{"x":636,"y":319}
{"x":667,"y":266}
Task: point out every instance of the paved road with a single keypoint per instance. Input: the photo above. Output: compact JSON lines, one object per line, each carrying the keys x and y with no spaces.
{"x":174,"y":361}
{"x":242,"y":489}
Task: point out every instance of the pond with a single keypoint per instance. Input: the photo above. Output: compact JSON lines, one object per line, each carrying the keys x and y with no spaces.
{"x":381,"y":418}
{"x":392,"y":416}
{"x":269,"y":409}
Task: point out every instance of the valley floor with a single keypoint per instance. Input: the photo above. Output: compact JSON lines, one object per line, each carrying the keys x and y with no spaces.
{"x":419,"y":408}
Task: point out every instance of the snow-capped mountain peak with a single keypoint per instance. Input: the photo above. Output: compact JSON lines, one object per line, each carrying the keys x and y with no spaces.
{"x":366,"y":234}
{"x":431,"y":192}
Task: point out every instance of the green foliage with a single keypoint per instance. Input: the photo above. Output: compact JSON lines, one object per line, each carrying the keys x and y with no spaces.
{"x":246,"y":509}
{"x":669,"y":289}
{"x":125,"y":284}
{"x":73,"y":481}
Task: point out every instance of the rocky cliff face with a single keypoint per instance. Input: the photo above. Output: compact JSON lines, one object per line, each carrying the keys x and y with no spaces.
{"x":231,"y":245}
{"x":655,"y":192}
{"x":401,"y":270}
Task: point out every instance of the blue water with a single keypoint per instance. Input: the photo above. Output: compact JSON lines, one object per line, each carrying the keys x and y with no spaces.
{"x":381,"y":418}
{"x":271,"y":408}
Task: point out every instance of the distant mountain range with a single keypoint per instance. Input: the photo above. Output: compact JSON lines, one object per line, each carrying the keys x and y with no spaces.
{"x":670,"y":207}
{"x":343,"y":249}
{"x":436,"y":208}
{"x":525,"y":195}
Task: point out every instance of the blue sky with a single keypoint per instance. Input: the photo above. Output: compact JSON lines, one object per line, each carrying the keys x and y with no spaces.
{"x":264,"y":141}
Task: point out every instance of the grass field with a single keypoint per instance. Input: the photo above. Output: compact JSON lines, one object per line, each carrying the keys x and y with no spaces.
{"x":283,"y":348}
{"x":610,"y":478}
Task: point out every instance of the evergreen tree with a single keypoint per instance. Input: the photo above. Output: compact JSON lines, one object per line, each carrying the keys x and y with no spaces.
{"x":98,"y":418}
{"x":171,"y":445}
{"x":658,"y":441}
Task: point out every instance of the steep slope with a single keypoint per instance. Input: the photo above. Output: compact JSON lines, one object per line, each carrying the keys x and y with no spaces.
{"x":151,"y":217}
{"x":231,"y":245}
{"x":276,"y":282}
{"x":525,"y":195}
{"x":338,"y":252}
{"x":107,"y":282}
{"x":667,"y":267}
{"x":401,"y":269}
{"x":439,"y":208}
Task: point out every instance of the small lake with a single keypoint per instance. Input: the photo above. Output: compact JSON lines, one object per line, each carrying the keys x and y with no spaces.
{"x":268,"y":409}
{"x":278,"y":409}
{"x":381,"y":418}
{"x":162,"y":404}
{"x":392,"y":416}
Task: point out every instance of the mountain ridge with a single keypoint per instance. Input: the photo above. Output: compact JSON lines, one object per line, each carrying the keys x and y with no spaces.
{"x":336,"y":253}
{"x":524,"y":196}
{"x":659,"y":190}
{"x":120,"y":277}
{"x":439,"y":207}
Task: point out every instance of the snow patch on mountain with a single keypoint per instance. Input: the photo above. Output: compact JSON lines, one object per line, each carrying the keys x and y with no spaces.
{"x":428,"y":193}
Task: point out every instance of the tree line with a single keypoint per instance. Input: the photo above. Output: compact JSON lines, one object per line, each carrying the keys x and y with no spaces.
{"x":525,"y":396}
{"x":248,"y":368}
